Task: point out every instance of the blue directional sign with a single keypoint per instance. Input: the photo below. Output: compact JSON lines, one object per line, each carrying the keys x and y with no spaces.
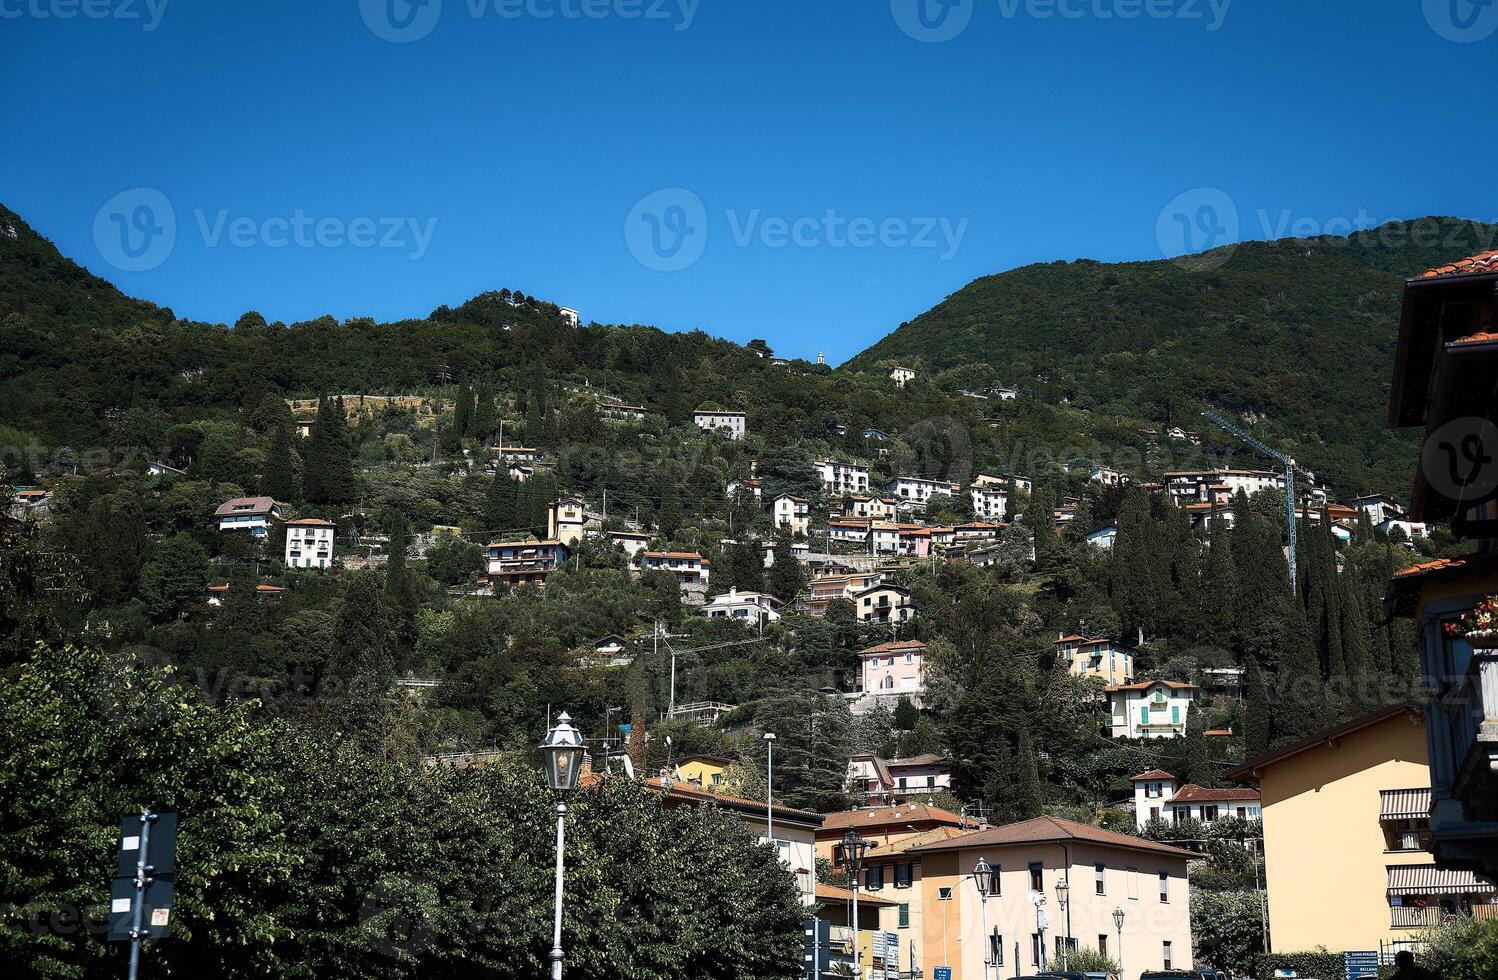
{"x":941,"y":973}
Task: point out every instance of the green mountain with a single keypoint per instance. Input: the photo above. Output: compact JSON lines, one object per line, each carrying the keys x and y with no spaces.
{"x":1297,"y":335}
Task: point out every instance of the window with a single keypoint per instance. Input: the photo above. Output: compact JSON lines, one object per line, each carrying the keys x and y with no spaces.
{"x":1036,"y":949}
{"x":1099,"y":875}
{"x":1131,"y":875}
{"x":944,"y":894}
{"x":1166,"y":954}
{"x":993,"y":881}
{"x":1102,"y":943}
{"x":1037,"y":884}
{"x":904,"y":916}
{"x":903,"y":876}
{"x":874,"y":879}
{"x":1164,"y":887}
{"x":1209,"y":813}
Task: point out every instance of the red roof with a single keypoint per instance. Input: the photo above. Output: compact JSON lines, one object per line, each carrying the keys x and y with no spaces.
{"x":1044,"y":830}
{"x":1474,"y":340}
{"x":1152,"y":774}
{"x":1482,"y":262}
{"x":1430,"y":566}
{"x":892,"y":816}
{"x":895,"y":647}
{"x":674,"y":554}
{"x":1146,"y":685}
{"x":1191,"y":793}
{"x":310,"y":522}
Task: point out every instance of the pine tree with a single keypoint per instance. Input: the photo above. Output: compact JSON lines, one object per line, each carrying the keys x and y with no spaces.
{"x":501,"y":506}
{"x":786,"y":577}
{"x":280,"y":480}
{"x":1257,"y":721}
{"x":1027,"y":798}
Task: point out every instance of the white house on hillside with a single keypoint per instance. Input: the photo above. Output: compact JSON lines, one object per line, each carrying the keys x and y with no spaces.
{"x":731,"y":424}
{"x":841,"y":477}
{"x":913,"y":491}
{"x":792,"y":512}
{"x":1158,"y":795}
{"x":990,"y":502}
{"x":901,"y":376}
{"x":309,"y":543}
{"x":253,"y":514}
{"x":750,"y":607}
{"x":1150,"y":709}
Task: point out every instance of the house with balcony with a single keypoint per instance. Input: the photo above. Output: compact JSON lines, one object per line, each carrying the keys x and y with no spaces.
{"x":1150,"y":709}
{"x":884,"y":538}
{"x":692,"y":571}
{"x":1445,"y":371}
{"x":901,"y":376}
{"x":1104,"y":658}
{"x":565,"y":520}
{"x":309,"y":543}
{"x":990,"y":503}
{"x":1199,"y":486}
{"x":911,"y":491}
{"x":751,"y":486}
{"x":790,"y":511}
{"x":915,"y":540}
{"x":727,"y":423}
{"x":883,"y":603}
{"x":529,"y":562}
{"x":849,"y":530}
{"x":897,"y":667}
{"x":256,"y":515}
{"x":1378,"y":507}
{"x":842,"y":478}
{"x":888,"y":782}
{"x":870,"y":508}
{"x":1346,"y":820}
{"x":1016,"y":484}
{"x":753,"y":608}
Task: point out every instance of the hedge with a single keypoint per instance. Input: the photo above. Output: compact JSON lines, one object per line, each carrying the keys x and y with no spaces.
{"x":1320,"y":964}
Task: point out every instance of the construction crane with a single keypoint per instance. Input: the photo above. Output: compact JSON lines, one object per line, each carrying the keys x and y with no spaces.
{"x":1288,"y":463}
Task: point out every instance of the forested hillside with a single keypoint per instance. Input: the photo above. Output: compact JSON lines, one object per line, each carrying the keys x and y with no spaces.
{"x":1297,"y":332}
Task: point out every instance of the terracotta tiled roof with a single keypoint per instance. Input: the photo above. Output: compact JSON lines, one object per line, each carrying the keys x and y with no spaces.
{"x":1439,"y":564}
{"x":310,"y":522}
{"x":832,"y":893}
{"x":1474,"y":340}
{"x":1146,"y":685}
{"x":261,"y":589}
{"x":889,"y":816}
{"x":894,"y":647}
{"x":1482,"y":262}
{"x":1191,"y":793}
{"x":245,"y":505}
{"x":674,"y":554}
{"x":1152,"y":774}
{"x":1045,"y":830}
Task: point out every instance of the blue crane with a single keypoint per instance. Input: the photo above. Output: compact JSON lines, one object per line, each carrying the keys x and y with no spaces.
{"x":1288,"y":463}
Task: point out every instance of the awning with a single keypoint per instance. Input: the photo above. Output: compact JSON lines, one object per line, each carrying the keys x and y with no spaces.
{"x":1427,"y":879}
{"x":1404,"y":804}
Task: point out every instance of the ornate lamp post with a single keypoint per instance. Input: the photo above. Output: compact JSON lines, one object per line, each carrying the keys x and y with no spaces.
{"x":1118,"y":921}
{"x":983,"y":878}
{"x":1062,"y":892}
{"x":563,"y":755}
{"x":850,"y":854}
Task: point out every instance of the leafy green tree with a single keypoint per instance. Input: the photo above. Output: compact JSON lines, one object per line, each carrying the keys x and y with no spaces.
{"x":175,"y":578}
{"x":454,"y":561}
{"x":1228,"y":928}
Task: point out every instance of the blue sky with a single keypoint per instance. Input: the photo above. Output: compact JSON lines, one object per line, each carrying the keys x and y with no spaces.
{"x":811,"y":172}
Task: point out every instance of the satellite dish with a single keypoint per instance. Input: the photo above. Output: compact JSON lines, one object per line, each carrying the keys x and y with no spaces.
{"x":629,"y":767}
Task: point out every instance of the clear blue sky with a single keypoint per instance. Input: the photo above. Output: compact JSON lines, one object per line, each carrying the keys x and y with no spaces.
{"x":524,"y":145}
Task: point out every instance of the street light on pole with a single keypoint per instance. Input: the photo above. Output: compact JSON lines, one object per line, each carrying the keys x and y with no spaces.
{"x":1062,"y":890}
{"x":1118,"y":921}
{"x":1040,"y":924}
{"x":850,"y":852}
{"x":983,"y":878}
{"x":770,"y":790}
{"x":562,"y":752}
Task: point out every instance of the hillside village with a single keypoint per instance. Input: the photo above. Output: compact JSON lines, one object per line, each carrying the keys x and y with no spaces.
{"x":1062,"y":715}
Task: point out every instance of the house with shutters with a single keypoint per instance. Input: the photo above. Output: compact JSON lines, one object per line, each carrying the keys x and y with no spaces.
{"x":990,"y":503}
{"x":901,"y":376}
{"x":883,"y":603}
{"x":528,"y":562}
{"x":1104,"y":658}
{"x":727,"y":423}
{"x":870,"y":508}
{"x":754,"y":608}
{"x":885,"y":782}
{"x":565,"y":520}
{"x":913,"y":491}
{"x":1150,"y":709}
{"x":790,"y":511}
{"x":309,"y":543}
{"x":690,"y":568}
{"x":838,"y":477}
{"x":897,"y":667}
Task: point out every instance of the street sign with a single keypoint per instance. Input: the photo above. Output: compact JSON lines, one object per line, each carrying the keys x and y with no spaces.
{"x":1360,"y":963}
{"x":891,"y":947}
{"x":817,"y":947}
{"x":156,"y":920}
{"x":161,"y":849}
{"x":941,"y":973}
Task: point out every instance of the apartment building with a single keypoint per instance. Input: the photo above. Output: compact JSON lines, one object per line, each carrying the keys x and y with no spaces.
{"x":842,"y":478}
{"x":1150,"y":709}
{"x":913,"y":491}
{"x":309,"y":543}
{"x":529,"y":562}
{"x":727,"y":423}
{"x":990,"y":502}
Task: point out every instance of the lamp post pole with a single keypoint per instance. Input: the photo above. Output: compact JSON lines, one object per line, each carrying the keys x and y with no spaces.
{"x":770,"y":790}
{"x":1062,"y":894}
{"x":851,"y":850}
{"x":1040,"y":926}
{"x":562,"y":753}
{"x":556,"y":922}
{"x":1118,"y":921}
{"x":983,"y":880}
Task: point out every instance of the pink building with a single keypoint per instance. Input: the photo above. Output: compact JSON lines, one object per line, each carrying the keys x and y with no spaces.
{"x":893,"y":668}
{"x":883,"y":782}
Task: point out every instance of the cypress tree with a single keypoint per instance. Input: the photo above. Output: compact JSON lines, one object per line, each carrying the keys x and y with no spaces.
{"x":1040,"y":518}
{"x":786,"y":577}
{"x":1028,"y":799}
{"x":1257,"y":719}
{"x":329,"y":473}
{"x":1220,"y":591}
{"x":501,"y":503}
{"x":1357,"y":653}
{"x":463,"y":414}
{"x":280,"y":479}
{"x":485,"y":414}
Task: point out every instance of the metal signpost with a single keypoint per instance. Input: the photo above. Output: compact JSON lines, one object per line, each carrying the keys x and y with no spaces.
{"x":817,"y":947}
{"x":140,"y":896}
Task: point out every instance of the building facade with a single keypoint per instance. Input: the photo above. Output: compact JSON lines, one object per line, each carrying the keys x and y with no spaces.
{"x":1150,"y":709}
{"x":256,"y":515}
{"x":731,"y":424}
{"x":1102,"y":658}
{"x":792,"y":512}
{"x":515,"y":563}
{"x":309,"y":543}
{"x":842,"y":478}
{"x":893,"y":668}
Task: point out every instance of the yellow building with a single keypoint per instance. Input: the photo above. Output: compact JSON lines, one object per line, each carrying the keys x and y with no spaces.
{"x":1346,"y":815}
{"x":703,"y":771}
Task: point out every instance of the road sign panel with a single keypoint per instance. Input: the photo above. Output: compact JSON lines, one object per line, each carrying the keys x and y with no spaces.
{"x":162,"y":845}
{"x":941,"y":973}
{"x":157,"y":920}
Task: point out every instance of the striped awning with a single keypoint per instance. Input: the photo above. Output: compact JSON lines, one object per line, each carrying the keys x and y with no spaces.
{"x":1404,"y":804}
{"x":1427,"y":879}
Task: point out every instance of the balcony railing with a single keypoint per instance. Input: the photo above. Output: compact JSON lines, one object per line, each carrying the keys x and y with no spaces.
{"x":1472,"y":709}
{"x":1410,"y":917}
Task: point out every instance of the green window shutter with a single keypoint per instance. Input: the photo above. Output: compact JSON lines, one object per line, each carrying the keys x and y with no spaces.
{"x":904,"y":916}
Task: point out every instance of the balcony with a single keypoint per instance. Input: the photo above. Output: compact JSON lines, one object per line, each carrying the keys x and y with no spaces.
{"x":1471,"y":707}
{"x":1409,"y":917}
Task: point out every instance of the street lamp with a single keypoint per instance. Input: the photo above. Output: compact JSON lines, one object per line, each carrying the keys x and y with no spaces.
{"x":1062,"y":890}
{"x":983,"y":878}
{"x":562,"y":752}
{"x":770,"y":790}
{"x":1040,"y":924}
{"x":850,"y":853}
{"x":1118,"y":920}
